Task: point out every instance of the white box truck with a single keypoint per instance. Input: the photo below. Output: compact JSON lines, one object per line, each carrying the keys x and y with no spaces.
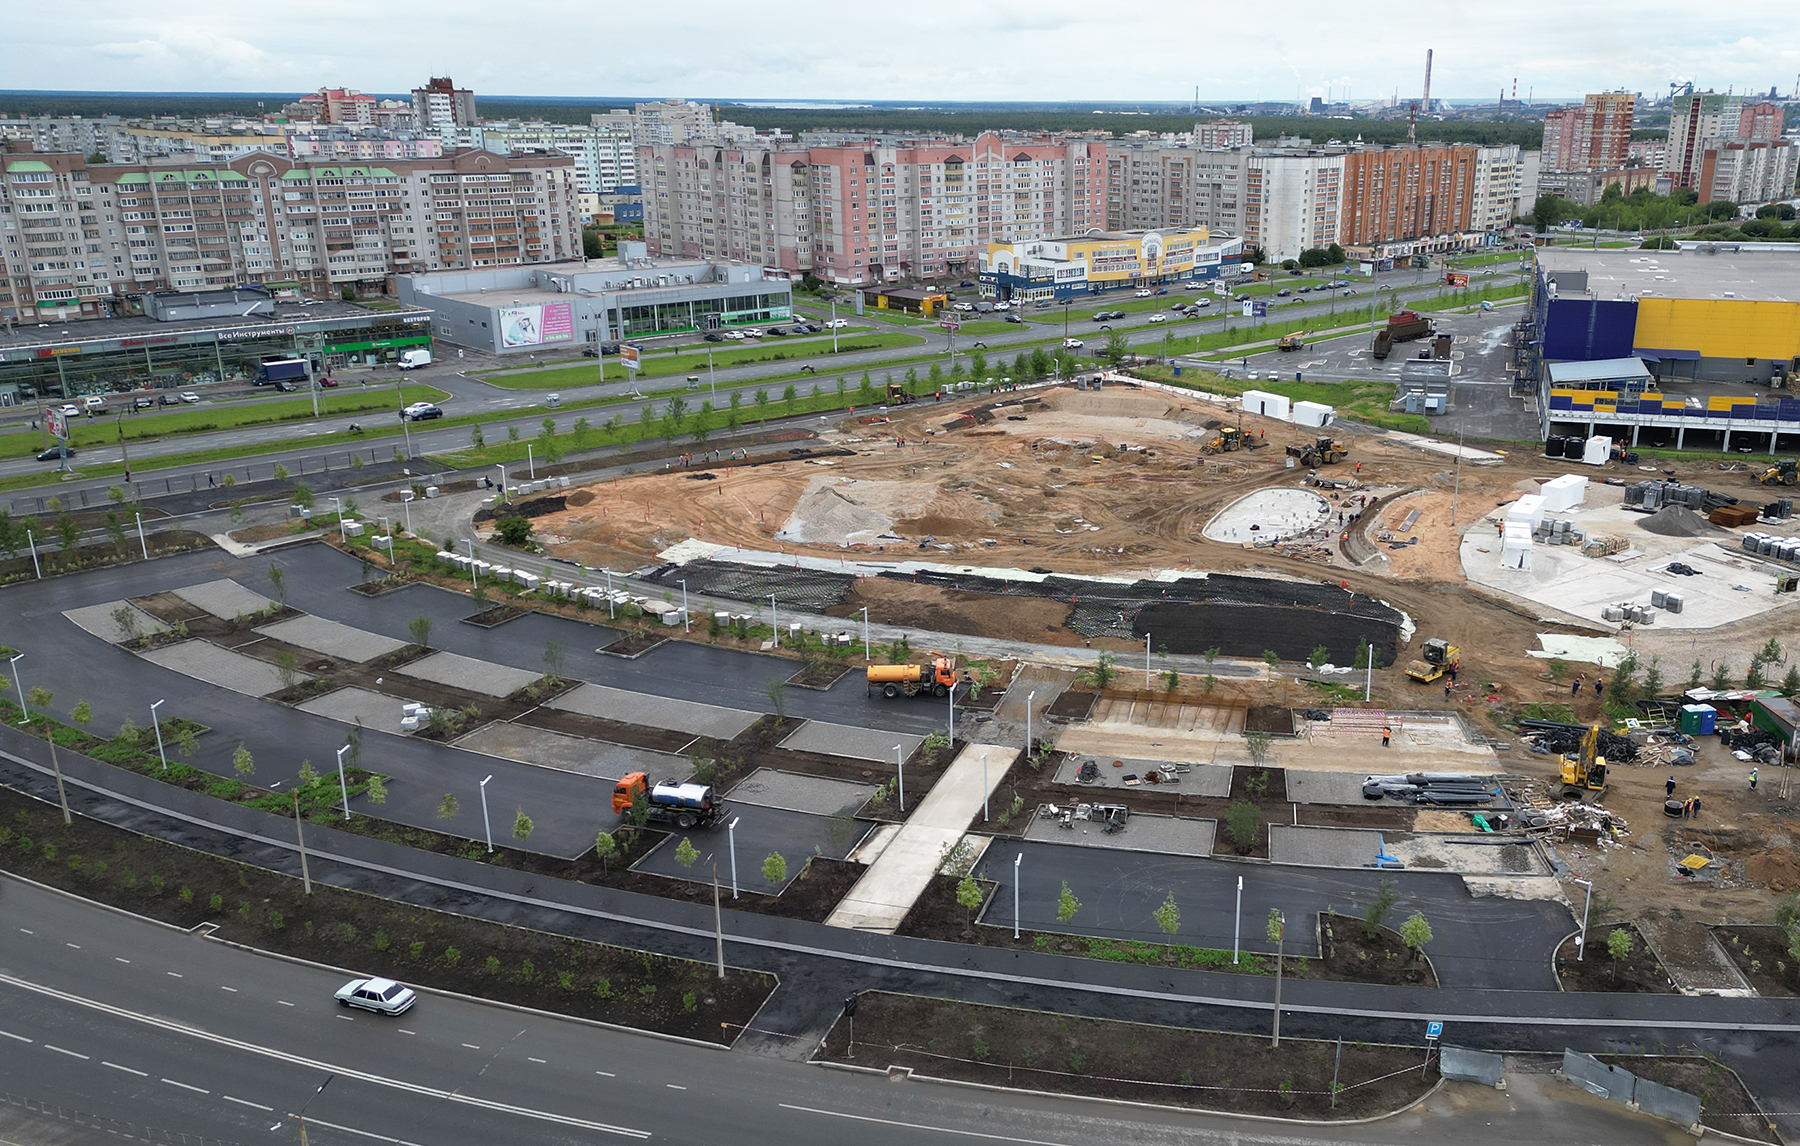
{"x":413,"y":359}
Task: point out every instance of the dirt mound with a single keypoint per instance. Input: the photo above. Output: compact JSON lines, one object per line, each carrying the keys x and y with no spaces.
{"x":1678,"y":521}
{"x":1528,"y":486}
{"x":581,"y":497}
{"x":1778,"y":869}
{"x":1109,"y":404}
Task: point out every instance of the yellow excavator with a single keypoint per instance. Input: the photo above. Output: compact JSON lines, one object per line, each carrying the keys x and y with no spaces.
{"x":1783,"y":472}
{"x":1586,"y":772}
{"x":1230,"y":438}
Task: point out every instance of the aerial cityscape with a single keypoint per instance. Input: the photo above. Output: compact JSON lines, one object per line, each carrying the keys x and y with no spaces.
{"x":897,"y":581}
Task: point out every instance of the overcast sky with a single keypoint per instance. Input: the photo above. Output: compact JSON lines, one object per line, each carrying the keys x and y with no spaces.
{"x":839,"y":49}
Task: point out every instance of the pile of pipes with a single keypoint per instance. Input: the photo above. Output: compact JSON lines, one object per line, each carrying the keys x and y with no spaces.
{"x":1549,"y":736}
{"x":1436,"y":788}
{"x":1653,"y":495}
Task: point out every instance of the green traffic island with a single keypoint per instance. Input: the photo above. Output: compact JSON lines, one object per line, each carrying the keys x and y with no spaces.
{"x":1726,"y":1104}
{"x":383,"y":585}
{"x":60,"y":550}
{"x":1132,"y":1062}
{"x":1765,"y":955}
{"x":366,"y":934}
{"x":1351,"y":950}
{"x":1617,"y":960}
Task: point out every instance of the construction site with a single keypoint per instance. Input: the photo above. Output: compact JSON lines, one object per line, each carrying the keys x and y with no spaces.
{"x":1140,"y":519}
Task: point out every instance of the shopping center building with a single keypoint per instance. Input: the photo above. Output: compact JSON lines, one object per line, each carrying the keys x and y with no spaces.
{"x":1080,"y":265}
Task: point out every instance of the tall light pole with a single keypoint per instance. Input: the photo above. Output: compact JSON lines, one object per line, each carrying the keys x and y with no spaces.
{"x":142,"y":544}
{"x":486,"y":824}
{"x":1277,"y":932}
{"x":1237,"y":921}
{"x":501,"y":466}
{"x":731,"y":841}
{"x":1016,"y":858}
{"x":300,"y":834}
{"x":474,"y":573}
{"x":1581,"y":944}
{"x":1029,"y":697}
{"x":865,"y":613}
{"x":406,"y":500}
{"x":774,"y":621}
{"x":343,"y":784}
{"x":24,"y":713}
{"x":405,"y":422}
{"x":340,"y":515}
{"x":684,"y":606}
{"x":530,"y":462}
{"x":155,"y":724}
{"x":900,"y":767}
{"x":984,"y":788}
{"x":834,"y":325}
{"x":611,"y":608}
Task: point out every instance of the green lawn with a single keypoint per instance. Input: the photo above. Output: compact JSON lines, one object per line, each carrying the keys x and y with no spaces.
{"x":202,"y":418}
{"x":1362,"y":401}
{"x":694,"y":362}
{"x":1282,"y":281}
{"x":1498,"y":258}
{"x":986,"y":326}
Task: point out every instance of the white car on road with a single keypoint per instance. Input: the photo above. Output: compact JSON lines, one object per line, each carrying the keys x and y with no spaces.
{"x":735,"y":335}
{"x":1159,"y":318}
{"x":836,"y":324}
{"x":382,"y":995}
{"x":189,"y":396}
{"x":1072,"y":344}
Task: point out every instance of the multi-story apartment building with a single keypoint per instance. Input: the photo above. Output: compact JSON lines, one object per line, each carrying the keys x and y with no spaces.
{"x":1223,"y":135}
{"x":1746,"y":172}
{"x":1406,"y":200}
{"x":344,"y":106}
{"x":1293,"y":200}
{"x":1647,"y":153}
{"x":1593,"y":137}
{"x":1761,"y":121}
{"x":866,"y":213}
{"x":77,"y":241}
{"x":1587,"y":188}
{"x":672,"y":122}
{"x":1499,"y":187}
{"x":1693,"y":120}
{"x":440,"y":107}
{"x":605,"y":156}
{"x":340,"y":143}
{"x":1702,"y":154}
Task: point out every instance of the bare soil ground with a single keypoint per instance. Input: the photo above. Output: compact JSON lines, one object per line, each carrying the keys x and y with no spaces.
{"x":1638,"y":973}
{"x":1725,"y":1104}
{"x":1761,"y":953}
{"x":1205,"y":1070}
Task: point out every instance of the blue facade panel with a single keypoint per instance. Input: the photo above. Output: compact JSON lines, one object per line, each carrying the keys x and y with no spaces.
{"x":1585,"y":330}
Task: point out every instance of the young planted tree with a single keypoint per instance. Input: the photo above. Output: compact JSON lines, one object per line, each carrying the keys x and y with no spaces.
{"x":448,"y":806}
{"x":1168,"y":916}
{"x":1415,"y":932}
{"x":1101,"y":673}
{"x":605,"y":847}
{"x":1618,"y":946}
{"x":278,"y":582}
{"x":1066,"y":904}
{"x":419,"y":629}
{"x":522,"y":825}
{"x":1257,"y":745}
{"x":774,"y":868}
{"x":1379,"y":908}
{"x":686,"y":854}
{"x":968,"y":895}
{"x":1243,"y":823}
{"x":242,"y":762}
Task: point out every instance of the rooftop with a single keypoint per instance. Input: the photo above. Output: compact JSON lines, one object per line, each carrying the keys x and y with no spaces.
{"x":136,"y":326}
{"x":1723,"y":272}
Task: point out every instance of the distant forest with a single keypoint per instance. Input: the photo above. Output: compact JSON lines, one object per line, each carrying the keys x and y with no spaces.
{"x":1526,"y":133}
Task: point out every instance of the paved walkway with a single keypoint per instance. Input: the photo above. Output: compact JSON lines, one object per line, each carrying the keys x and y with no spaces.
{"x":885,"y":893}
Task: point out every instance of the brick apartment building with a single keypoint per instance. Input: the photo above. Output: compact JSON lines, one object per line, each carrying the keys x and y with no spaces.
{"x":1593,"y":137}
{"x":81,"y":241}
{"x":1400,"y":194}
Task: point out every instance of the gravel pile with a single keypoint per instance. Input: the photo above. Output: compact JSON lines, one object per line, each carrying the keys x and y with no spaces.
{"x":1678,"y":521}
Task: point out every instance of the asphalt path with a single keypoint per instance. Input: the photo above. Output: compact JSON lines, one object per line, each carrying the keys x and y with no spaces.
{"x":525,"y":409}
{"x":152,"y":1032}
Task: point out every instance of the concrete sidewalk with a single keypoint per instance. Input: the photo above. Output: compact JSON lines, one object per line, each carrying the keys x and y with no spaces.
{"x":886,"y":892}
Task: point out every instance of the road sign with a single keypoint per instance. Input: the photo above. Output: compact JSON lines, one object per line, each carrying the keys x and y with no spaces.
{"x":1249,"y":309}
{"x":1432,"y":1031}
{"x":1261,"y":309}
{"x":59,"y":426}
{"x":631,"y":356}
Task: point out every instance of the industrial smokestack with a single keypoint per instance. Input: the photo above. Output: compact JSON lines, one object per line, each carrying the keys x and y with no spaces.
{"x":1427,"y":98}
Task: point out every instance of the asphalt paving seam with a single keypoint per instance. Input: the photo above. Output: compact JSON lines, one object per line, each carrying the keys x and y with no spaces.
{"x":889,"y":963}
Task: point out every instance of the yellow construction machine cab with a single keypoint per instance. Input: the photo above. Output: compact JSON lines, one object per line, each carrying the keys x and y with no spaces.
{"x":1587,"y":771}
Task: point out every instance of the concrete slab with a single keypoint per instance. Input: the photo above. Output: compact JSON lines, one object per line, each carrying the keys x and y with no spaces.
{"x":458,"y":671}
{"x":224,"y":598}
{"x":331,"y":638}
{"x":98,"y":620}
{"x":1268,"y":514}
{"x":882,"y":897}
{"x":1467,"y":855}
{"x":760,"y":831}
{"x":851,"y":741}
{"x":1165,"y":835}
{"x":819,"y":795}
{"x":376,"y":711}
{"x":1198,"y":780}
{"x":1305,"y":786}
{"x":205,"y":661}
{"x":1323,"y":847}
{"x":656,"y":711}
{"x":558,"y":750}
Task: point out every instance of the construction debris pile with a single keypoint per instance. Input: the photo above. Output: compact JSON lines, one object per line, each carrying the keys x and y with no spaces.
{"x":1548,"y":736}
{"x":1440,"y":789}
{"x":1757,"y":744}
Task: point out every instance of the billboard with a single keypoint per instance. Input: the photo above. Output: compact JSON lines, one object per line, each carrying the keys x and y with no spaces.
{"x":1456,"y":278}
{"x":58,"y":423}
{"x":631,"y":356}
{"x":536,"y":325}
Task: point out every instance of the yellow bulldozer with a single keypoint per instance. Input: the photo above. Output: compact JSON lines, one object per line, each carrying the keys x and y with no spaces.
{"x":1230,"y":439}
{"x":1586,"y":772}
{"x":1783,"y":472}
{"x":1321,"y":451}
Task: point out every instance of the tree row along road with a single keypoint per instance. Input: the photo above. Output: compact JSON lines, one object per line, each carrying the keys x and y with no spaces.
{"x":497,"y":409}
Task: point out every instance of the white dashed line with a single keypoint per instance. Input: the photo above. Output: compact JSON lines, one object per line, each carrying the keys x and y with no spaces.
{"x":10,"y":1035}
{"x":607,"y":1073}
{"x":363,"y":1133}
{"x":528,"y":1058}
{"x":284,"y":1002}
{"x":117,"y":959}
{"x":672,"y":1086}
{"x":185,"y":1086}
{"x":471,"y":1046}
{"x":348,"y":1018}
{"x":175,"y":974}
{"x":70,"y":1053}
{"x":247,"y":1102}
{"x":404,"y":1031}
{"x":27,"y":931}
{"x":126,"y":1069}
{"x":233,"y":990}
{"x":77,"y":946}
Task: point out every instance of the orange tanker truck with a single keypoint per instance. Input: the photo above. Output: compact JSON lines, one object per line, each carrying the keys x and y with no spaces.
{"x":934,"y":679}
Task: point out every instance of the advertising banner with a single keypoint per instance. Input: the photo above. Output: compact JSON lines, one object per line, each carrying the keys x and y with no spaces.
{"x":1456,"y":278}
{"x":59,"y":426}
{"x":536,"y":325}
{"x":631,"y":356}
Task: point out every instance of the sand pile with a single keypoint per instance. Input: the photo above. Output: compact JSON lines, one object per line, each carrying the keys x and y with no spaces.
{"x":1778,"y":869}
{"x":843,"y":511}
{"x":1678,"y":521}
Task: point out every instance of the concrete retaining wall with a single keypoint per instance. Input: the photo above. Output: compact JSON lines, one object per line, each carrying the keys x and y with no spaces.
{"x":1464,"y":1065}
{"x":1621,"y":1085}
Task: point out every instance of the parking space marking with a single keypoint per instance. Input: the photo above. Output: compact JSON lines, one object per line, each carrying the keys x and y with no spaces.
{"x":607,"y":1073}
{"x":126,"y":1069}
{"x":175,"y":974}
{"x":284,"y":1002}
{"x":672,"y":1086}
{"x":348,"y":1018}
{"x":77,"y":946}
{"x":404,"y":1031}
{"x":27,"y":931}
{"x":187,"y":1086}
{"x":471,"y":1046}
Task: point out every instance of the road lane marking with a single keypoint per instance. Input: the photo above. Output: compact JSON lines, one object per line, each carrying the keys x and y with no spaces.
{"x":27,"y":931}
{"x":404,"y":1031}
{"x":921,"y":1126}
{"x":672,"y":1086}
{"x":10,"y":1035}
{"x":284,"y":1002}
{"x":77,"y":946}
{"x":247,"y":1102}
{"x":70,"y":1053}
{"x":364,"y":1133}
{"x":233,"y":990}
{"x":175,"y":974}
{"x":471,"y":1046}
{"x":185,"y":1086}
{"x":348,"y":1018}
{"x":607,"y":1073}
{"x":126,"y":1069}
{"x":117,"y":959}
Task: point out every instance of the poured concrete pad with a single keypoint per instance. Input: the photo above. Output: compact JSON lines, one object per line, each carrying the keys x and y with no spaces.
{"x":374,"y":710}
{"x":1468,"y":855}
{"x":484,"y":677}
{"x":849,"y":740}
{"x":797,"y":793}
{"x":886,"y":892}
{"x":98,"y":620}
{"x":1173,"y":835}
{"x":214,"y":665}
{"x":1198,"y":780}
{"x":224,"y":598}
{"x":1268,"y":514}
{"x":1323,"y":847}
{"x":331,"y":638}
{"x":548,"y":749}
{"x":656,"y":711}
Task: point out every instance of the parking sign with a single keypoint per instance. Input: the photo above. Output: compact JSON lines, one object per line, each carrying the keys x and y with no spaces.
{"x":1432,"y":1031}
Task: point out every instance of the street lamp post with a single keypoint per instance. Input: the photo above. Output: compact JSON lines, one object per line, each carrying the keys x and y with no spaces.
{"x":142,"y":544}
{"x":406,"y":500}
{"x":1016,"y":858}
{"x":834,"y":325}
{"x":530,"y":462}
{"x":984,"y":788}
{"x":340,"y":515}
{"x":684,"y":607}
{"x":1237,"y":921}
{"x":611,"y":607}
{"x":300,"y":835}
{"x":774,"y":621}
{"x":731,"y":841}
{"x":865,"y":613}
{"x":474,"y":573}
{"x":343,"y":782}
{"x":487,"y":825}
{"x":1581,"y":944}
{"x":900,"y":768}
{"x":1029,"y":697}
{"x":155,"y":724}
{"x":24,"y":713}
{"x":501,"y":466}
